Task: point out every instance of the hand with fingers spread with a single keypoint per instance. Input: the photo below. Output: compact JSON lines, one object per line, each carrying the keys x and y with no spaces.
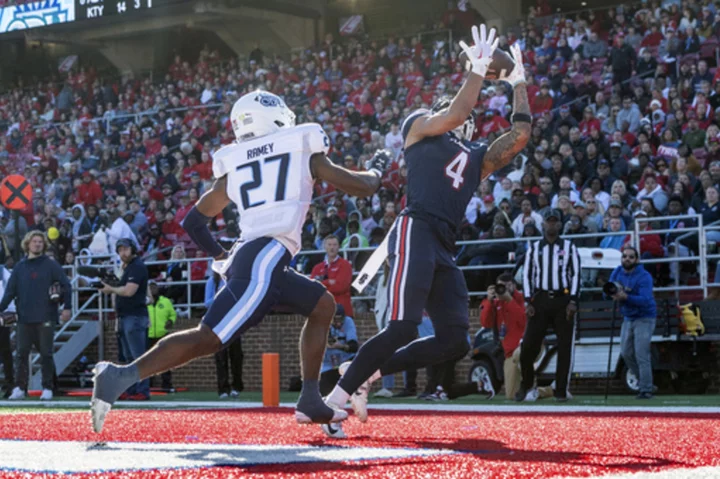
{"x":480,"y":55}
{"x":516,"y":76}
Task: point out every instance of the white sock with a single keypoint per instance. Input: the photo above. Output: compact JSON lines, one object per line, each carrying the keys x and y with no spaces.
{"x":338,"y":397}
{"x":375,"y":376}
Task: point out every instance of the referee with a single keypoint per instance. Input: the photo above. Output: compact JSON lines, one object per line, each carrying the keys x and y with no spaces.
{"x":551,"y":285}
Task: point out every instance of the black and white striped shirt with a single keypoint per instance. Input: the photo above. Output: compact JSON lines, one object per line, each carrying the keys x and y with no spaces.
{"x":552,"y":267}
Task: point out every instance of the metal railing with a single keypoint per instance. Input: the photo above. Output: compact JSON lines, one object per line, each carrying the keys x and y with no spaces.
{"x":635,"y":235}
{"x":700,"y":257}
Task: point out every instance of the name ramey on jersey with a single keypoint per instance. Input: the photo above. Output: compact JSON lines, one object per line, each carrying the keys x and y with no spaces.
{"x":269,"y":180}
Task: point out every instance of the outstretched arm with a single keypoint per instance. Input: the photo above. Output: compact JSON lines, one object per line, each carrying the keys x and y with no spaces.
{"x":354,"y":183}
{"x":479,"y":57}
{"x":448,"y":119}
{"x":504,"y":149}
{"x":208,"y":206}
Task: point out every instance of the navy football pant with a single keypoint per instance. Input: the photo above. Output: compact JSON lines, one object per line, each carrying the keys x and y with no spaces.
{"x":423,"y":276}
{"x":258,"y":281}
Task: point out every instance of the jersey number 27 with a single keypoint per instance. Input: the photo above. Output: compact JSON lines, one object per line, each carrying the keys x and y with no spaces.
{"x":261,"y":170}
{"x":456,"y":168}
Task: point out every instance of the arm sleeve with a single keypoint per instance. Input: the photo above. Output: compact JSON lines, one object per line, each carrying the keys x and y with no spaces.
{"x":487,"y":318}
{"x":644,"y":291}
{"x":196,"y":225}
{"x":10,"y":291}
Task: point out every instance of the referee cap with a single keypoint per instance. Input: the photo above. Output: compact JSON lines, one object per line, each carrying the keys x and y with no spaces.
{"x":552,"y":213}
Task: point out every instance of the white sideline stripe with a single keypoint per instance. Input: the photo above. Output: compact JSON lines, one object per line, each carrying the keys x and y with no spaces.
{"x":470,"y":408}
{"x":705,"y":472}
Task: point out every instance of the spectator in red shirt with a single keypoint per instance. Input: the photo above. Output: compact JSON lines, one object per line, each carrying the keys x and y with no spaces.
{"x":335,"y":273}
{"x":506,"y":312}
{"x":542,"y":102}
{"x":589,"y":122}
{"x":89,"y":192}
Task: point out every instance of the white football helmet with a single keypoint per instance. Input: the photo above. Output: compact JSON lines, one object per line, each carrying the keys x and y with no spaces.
{"x":260,"y":113}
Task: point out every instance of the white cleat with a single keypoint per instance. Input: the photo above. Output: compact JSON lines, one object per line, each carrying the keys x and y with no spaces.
{"x":383,"y":393}
{"x":532,"y":395}
{"x":334,"y":431}
{"x":98,"y":408}
{"x":358,"y":399}
{"x":339,"y":415}
{"x":17,"y":393}
{"x":46,"y":395}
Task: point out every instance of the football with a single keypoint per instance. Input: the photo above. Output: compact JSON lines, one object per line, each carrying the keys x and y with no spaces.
{"x":501,"y":61}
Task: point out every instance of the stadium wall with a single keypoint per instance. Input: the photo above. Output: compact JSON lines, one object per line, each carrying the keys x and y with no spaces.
{"x":280,"y":333}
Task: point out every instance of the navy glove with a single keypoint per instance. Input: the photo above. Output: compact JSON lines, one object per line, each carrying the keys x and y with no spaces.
{"x":379,"y":162}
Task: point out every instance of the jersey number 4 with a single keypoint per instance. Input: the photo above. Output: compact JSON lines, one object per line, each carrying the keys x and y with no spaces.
{"x":257,"y":168}
{"x":456,"y":168}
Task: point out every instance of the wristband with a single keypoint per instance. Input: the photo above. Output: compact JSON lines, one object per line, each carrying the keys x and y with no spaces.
{"x":521,"y":117}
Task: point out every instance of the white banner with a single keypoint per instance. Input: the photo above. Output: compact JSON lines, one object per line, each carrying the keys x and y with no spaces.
{"x":67,"y":63}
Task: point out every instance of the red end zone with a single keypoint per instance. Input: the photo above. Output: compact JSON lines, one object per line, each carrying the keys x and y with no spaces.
{"x":268,"y":443}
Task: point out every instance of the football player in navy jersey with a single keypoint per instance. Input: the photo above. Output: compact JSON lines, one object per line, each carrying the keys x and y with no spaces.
{"x":444,"y":169}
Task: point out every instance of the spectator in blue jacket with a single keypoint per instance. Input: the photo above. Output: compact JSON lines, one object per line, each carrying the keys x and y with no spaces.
{"x":637,"y":305}
{"x":342,"y":346}
{"x":613,"y":242}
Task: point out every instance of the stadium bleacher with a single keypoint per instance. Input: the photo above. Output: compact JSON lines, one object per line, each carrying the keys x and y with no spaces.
{"x":157,"y":137}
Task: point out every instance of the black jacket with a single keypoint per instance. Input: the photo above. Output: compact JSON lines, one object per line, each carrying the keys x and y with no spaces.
{"x":29,"y":286}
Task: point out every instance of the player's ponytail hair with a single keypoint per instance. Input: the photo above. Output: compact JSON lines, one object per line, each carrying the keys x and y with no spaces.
{"x":29,"y":236}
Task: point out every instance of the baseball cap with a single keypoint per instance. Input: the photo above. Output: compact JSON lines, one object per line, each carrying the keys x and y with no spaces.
{"x":340,"y":310}
{"x":488,"y":199}
{"x":639,"y":213}
{"x":580,"y":204}
{"x":614,"y":144}
{"x":552,"y":213}
{"x":617,"y":203}
{"x":603,"y":161}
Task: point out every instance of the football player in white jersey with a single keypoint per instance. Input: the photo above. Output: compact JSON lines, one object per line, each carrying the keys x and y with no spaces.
{"x":269,"y":174}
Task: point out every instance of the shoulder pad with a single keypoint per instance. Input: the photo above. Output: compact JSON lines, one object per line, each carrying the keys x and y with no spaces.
{"x":315,"y":140}
{"x":407,"y":123}
{"x":220,"y":159}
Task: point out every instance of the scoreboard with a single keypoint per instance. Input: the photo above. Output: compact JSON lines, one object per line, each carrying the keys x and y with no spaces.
{"x":44,"y":13}
{"x":85,"y":9}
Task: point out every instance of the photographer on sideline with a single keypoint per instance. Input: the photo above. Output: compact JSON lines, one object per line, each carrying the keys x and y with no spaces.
{"x":631,"y":285}
{"x":504,"y":311}
{"x":132,"y":311}
{"x":342,"y":346}
{"x":37,"y":284}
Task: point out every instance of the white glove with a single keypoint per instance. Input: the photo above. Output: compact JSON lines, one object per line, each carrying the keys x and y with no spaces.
{"x":516,"y":76}
{"x":480,"y":55}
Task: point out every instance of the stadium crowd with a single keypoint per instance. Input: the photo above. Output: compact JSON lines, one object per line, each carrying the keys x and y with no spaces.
{"x":626,"y":105}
